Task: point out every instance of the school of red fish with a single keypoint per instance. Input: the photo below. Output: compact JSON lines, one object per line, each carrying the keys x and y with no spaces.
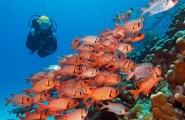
{"x":88,"y":77}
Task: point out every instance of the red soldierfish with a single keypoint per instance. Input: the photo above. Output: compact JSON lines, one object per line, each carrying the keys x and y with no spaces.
{"x":157,"y":6}
{"x":35,"y":116}
{"x":133,"y":26}
{"x":134,"y":37}
{"x":141,"y":71}
{"x":78,"y":114}
{"x":19,"y":100}
{"x":146,"y":84}
{"x":56,"y":105}
{"x":103,"y":93}
{"x":117,"y":108}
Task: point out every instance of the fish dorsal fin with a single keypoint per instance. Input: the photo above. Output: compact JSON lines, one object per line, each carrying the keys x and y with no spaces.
{"x":107,"y":29}
{"x":152,"y":2}
{"x":12,"y":95}
{"x":31,"y":75}
{"x":49,"y":101}
{"x":118,"y":25}
{"x":64,"y":116}
{"x":33,"y":83}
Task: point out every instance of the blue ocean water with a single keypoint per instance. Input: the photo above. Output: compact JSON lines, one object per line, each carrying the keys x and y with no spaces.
{"x":73,"y":17}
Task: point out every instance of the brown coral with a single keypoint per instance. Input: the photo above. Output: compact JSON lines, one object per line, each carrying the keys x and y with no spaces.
{"x":181,"y":44}
{"x":176,"y":76}
{"x":180,"y":98}
{"x":161,"y":109}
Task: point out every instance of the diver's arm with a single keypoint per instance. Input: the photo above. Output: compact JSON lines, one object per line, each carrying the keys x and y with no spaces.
{"x":30,"y":42}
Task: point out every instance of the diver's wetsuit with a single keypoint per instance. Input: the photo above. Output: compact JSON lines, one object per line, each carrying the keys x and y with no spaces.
{"x":44,"y":42}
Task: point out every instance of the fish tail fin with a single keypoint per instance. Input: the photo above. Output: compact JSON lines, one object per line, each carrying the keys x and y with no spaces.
{"x":145,"y":10}
{"x":113,"y":19}
{"x":21,"y":118}
{"x":7,"y":101}
{"x":103,"y":106}
{"x":27,"y":79}
{"x":135,"y":93}
{"x":129,"y":76}
{"x":86,"y":97}
{"x":27,"y":91}
{"x":41,"y":107}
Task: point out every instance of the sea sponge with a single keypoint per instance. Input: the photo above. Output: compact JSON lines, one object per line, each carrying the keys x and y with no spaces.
{"x":181,"y":44}
{"x":161,"y":109}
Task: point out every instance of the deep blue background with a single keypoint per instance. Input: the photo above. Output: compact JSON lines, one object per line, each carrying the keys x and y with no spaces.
{"x":73,"y":17}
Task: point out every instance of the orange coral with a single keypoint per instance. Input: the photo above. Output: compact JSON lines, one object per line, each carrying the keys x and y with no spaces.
{"x":161,"y":109}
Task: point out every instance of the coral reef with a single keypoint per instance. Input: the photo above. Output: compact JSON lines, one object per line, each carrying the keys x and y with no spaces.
{"x":141,"y":111}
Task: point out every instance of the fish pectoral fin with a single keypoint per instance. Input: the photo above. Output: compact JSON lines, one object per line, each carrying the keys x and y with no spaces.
{"x":146,"y":92}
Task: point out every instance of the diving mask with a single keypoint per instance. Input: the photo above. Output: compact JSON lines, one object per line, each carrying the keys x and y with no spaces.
{"x":44,"y":24}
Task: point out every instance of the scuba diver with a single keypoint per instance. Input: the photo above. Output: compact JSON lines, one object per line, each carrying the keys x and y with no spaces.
{"x":41,"y":38}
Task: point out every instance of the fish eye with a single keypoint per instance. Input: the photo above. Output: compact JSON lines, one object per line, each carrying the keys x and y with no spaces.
{"x":139,"y":34}
{"x":139,"y":24}
{"x":28,"y":99}
{"x":75,"y":102}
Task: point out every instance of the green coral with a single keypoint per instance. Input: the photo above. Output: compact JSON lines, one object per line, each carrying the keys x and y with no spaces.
{"x":141,"y":111}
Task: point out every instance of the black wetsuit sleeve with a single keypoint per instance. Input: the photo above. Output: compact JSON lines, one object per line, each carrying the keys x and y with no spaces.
{"x":30,"y":42}
{"x":49,"y":48}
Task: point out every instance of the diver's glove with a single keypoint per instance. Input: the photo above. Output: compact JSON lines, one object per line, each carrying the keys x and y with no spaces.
{"x":33,"y":31}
